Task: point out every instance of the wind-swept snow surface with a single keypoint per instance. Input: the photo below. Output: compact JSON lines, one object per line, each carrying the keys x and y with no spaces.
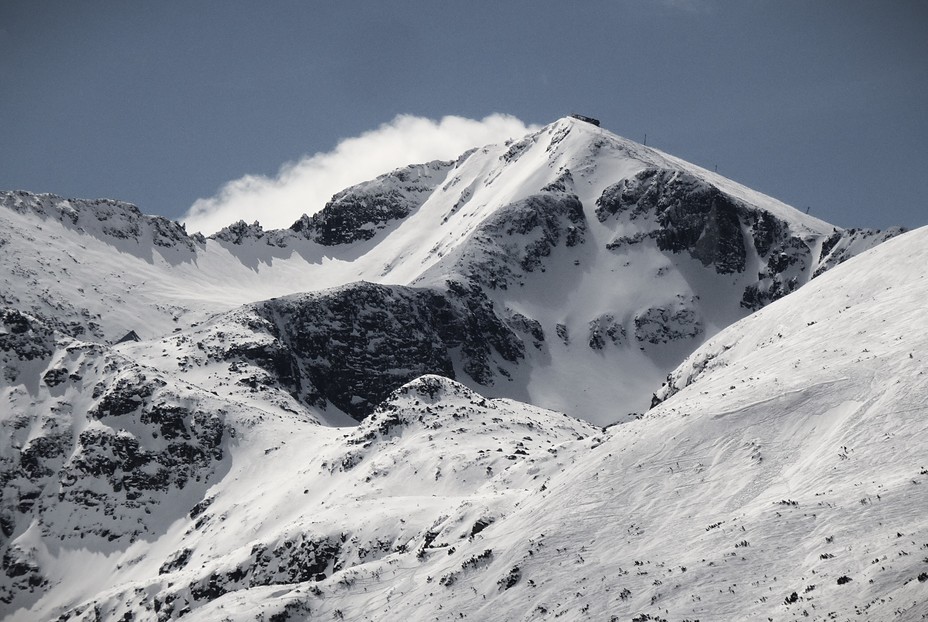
{"x":349,"y":419}
{"x":783,"y":478}
{"x":598,"y":263}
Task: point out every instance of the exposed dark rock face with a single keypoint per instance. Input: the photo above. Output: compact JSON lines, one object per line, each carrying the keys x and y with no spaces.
{"x":118,"y":473}
{"x":304,"y":558}
{"x":684,"y":214}
{"x":517,"y":148}
{"x":631,"y":240}
{"x":294,"y":558}
{"x":54,"y":377}
{"x":693,"y":216}
{"x":102,"y":475}
{"x":563,"y":183}
{"x":238,"y":232}
{"x":104,"y":217}
{"x":359,"y":212}
{"x":41,"y":454}
{"x":788,"y":260}
{"x":175,"y":562}
{"x":842,"y":245}
{"x":517,"y":238}
{"x":126,"y":395}
{"x":528,"y":326}
{"x":168,"y":233}
{"x":605,"y":329}
{"x":22,"y":569}
{"x":24,"y":338}
{"x":673,"y":322}
{"x":759,"y":295}
{"x":355,"y":344}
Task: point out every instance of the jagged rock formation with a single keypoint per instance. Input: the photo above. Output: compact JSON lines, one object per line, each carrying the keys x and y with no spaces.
{"x":550,"y":229}
{"x":691,"y":215}
{"x":354,"y":345}
{"x":105,"y":217}
{"x":517,"y":239}
{"x":98,"y":453}
{"x":359,"y":212}
{"x":682,"y":213}
{"x":196,"y":464}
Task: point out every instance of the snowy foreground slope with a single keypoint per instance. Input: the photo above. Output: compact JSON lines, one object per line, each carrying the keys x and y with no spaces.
{"x":783,"y":477}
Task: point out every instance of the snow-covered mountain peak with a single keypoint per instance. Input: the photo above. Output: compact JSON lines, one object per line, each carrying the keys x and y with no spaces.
{"x":363,"y":416}
{"x":578,"y":250}
{"x":595,"y":153}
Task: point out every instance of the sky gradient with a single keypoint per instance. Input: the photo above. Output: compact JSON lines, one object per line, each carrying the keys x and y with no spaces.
{"x":821,"y":104}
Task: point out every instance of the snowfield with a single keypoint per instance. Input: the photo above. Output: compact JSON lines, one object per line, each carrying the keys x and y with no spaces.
{"x":611,"y":260}
{"x":362,"y":417}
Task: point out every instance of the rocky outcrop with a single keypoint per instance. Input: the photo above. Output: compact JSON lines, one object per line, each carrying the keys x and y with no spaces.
{"x":96,"y":451}
{"x":842,"y":245}
{"x":355,"y":214}
{"x":353,"y":345}
{"x":605,"y":329}
{"x":518,"y":238}
{"x":672,"y":322}
{"x":359,"y":212}
{"x":691,"y":215}
{"x":684,"y":214}
{"x":527,"y":326}
{"x":23,"y":338}
{"x":104,"y":218}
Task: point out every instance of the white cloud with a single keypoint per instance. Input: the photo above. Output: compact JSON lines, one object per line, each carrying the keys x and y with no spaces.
{"x":305,"y":186}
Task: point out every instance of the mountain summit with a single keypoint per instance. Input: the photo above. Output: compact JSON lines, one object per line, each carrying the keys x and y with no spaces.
{"x":572,"y":269}
{"x":352,"y":416}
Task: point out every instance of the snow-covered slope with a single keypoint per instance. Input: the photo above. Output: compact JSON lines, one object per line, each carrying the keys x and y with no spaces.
{"x":298,"y":502}
{"x":180,"y":413}
{"x":782,"y":477}
{"x":599,"y":264}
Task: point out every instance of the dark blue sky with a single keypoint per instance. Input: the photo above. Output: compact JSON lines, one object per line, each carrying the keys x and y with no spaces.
{"x":821,"y":104}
